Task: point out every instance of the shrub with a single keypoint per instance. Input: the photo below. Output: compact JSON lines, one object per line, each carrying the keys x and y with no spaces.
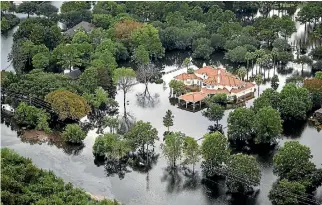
{"x":159,"y":81}
{"x":73,"y":133}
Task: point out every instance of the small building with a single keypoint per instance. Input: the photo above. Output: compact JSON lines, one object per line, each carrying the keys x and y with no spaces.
{"x":85,"y":26}
{"x":213,"y":81}
{"x":318,"y":115}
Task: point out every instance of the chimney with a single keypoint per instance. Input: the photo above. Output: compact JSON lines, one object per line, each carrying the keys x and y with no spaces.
{"x":218,"y":77}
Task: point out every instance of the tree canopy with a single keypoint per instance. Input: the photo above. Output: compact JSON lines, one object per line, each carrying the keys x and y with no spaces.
{"x":67,"y":104}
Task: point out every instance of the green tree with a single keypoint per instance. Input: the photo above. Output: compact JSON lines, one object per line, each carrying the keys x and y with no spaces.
{"x":102,"y":20}
{"x":112,"y":123}
{"x":40,"y":60}
{"x":168,"y":119}
{"x":240,"y":125}
{"x":304,"y":60}
{"x":242,"y":73}
{"x":173,"y":146}
{"x":32,"y":117}
{"x":295,"y":102}
{"x":286,"y":192}
{"x":27,"y":7}
{"x":67,"y":104}
{"x":316,"y":53}
{"x":237,"y":54}
{"x":177,"y":86}
{"x":125,"y":78}
{"x":68,"y":56}
{"x":47,"y":9}
{"x":148,"y":37}
{"x":191,"y":152}
{"x":286,"y":26}
{"x":269,"y":97}
{"x":318,"y":75}
{"x":201,"y":48}
{"x":259,"y":81}
{"x":220,"y":99}
{"x":141,"y":56}
{"x":244,"y":172}
{"x":186,"y":63}
{"x":69,"y":6}
{"x":267,"y":125}
{"x":214,"y":112}
{"x":292,"y":162}
{"x":73,"y":133}
{"x":141,"y":135}
{"x":275,"y":82}
{"x":72,"y":18}
{"x":215,"y":151}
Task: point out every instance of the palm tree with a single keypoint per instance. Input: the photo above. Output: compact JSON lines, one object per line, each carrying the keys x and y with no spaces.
{"x":248,"y":57}
{"x":242,"y":72}
{"x":259,"y":81}
{"x":274,"y":54}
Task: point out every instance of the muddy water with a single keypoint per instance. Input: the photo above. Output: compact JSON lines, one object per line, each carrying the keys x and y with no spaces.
{"x":158,"y":186}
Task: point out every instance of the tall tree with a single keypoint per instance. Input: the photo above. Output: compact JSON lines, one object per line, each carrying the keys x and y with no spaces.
{"x":215,"y":152}
{"x":191,"y":152}
{"x":168,"y":119}
{"x":267,"y":125}
{"x":240,"y":125}
{"x":68,"y":56}
{"x":27,"y":7}
{"x":112,"y":123}
{"x":172,"y":148}
{"x":141,"y":136}
{"x":125,"y":78}
{"x":214,"y":112}
{"x":259,"y":81}
{"x":286,"y":192}
{"x":292,"y":162}
{"x":295,"y":102}
{"x":304,"y":60}
{"x":275,"y":82}
{"x":243,"y":173}
{"x":242,"y":73}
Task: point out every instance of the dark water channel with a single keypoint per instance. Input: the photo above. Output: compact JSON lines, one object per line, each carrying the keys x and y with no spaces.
{"x":158,"y":186}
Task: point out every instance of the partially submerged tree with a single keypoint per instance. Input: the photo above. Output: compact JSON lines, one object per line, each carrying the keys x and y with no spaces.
{"x":178,"y":87}
{"x":267,"y":125}
{"x":191,"y":152}
{"x":141,"y":136}
{"x":168,"y":119}
{"x":112,"y":123}
{"x":125,"y":78}
{"x":73,"y":133}
{"x":215,"y":152}
{"x":172,"y":148}
{"x":243,"y":173}
{"x":240,"y":125}
{"x":259,"y":81}
{"x":275,"y":82}
{"x":286,"y":192}
{"x":214,"y":112}
{"x":304,"y":60}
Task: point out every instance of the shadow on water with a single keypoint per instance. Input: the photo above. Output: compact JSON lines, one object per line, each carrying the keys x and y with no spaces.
{"x":146,"y":99}
{"x":180,"y":179}
{"x":293,"y":130}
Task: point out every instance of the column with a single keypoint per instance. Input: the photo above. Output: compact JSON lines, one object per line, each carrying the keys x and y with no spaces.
{"x":186,"y":105}
{"x":179,"y":102}
{"x":200,"y":103}
{"x":193,"y":106}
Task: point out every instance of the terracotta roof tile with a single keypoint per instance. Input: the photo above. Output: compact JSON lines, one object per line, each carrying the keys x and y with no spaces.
{"x":186,"y":76}
{"x":213,"y":91}
{"x":193,"y":96}
{"x":246,"y":86}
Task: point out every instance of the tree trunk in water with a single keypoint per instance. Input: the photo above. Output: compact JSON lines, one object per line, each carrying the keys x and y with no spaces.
{"x":258,"y":91}
{"x":124,"y":97}
{"x":302,"y":68}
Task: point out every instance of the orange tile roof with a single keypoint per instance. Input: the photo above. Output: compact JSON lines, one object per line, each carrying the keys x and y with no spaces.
{"x":247,"y":85}
{"x":208,"y":71}
{"x":193,"y":96}
{"x":213,"y":91}
{"x":186,"y":76}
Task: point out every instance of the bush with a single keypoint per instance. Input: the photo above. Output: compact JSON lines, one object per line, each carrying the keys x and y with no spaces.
{"x":159,"y":81}
{"x":32,"y":117}
{"x":73,"y":133}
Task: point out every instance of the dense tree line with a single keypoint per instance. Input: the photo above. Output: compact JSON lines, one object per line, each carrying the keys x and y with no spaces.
{"x":24,"y":183}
